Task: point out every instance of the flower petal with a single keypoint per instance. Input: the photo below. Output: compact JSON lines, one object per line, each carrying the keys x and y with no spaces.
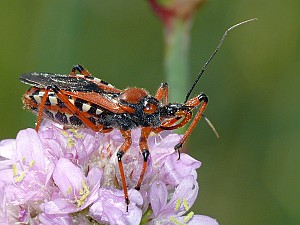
{"x":77,"y":191}
{"x":174,"y":170}
{"x":59,"y":206}
{"x":186,"y":193}
{"x":158,"y":197}
{"x":111,"y":208}
{"x":30,"y":148}
{"x":197,"y":220}
{"x":7,"y":148}
{"x":47,"y":219}
{"x":68,"y":177}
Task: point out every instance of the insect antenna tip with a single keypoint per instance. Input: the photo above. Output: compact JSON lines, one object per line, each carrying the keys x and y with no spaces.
{"x":211,"y":126}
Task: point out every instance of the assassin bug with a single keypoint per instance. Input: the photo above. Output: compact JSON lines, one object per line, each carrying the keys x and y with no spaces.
{"x":80,"y":100}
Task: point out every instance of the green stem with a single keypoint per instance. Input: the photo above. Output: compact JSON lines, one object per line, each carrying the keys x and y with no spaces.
{"x":177,"y":39}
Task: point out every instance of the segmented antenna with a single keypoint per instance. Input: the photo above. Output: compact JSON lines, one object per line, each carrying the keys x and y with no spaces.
{"x":213,"y":54}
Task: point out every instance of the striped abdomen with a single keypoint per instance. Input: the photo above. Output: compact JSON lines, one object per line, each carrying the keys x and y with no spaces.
{"x":57,"y":111}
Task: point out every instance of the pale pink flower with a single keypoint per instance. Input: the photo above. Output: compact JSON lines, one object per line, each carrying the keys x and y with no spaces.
{"x":59,"y":176}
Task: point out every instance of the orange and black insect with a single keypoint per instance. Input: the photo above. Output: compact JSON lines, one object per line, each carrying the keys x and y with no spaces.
{"x":80,"y":100}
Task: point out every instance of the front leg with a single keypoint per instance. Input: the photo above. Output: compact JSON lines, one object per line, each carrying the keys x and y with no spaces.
{"x":194,"y":102}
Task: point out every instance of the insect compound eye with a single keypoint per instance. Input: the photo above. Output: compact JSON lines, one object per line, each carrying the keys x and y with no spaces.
{"x":172,"y":109}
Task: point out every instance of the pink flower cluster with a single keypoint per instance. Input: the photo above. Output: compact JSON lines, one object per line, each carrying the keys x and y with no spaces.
{"x":71,"y":176}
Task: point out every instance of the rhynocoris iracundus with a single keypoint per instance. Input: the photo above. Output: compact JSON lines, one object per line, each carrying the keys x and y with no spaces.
{"x":80,"y":100}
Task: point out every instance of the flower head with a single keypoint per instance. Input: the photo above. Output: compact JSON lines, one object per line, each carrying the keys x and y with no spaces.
{"x":72,"y":177}
{"x":168,"y":10}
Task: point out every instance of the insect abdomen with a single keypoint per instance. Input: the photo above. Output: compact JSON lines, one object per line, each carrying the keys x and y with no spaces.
{"x":57,"y":111}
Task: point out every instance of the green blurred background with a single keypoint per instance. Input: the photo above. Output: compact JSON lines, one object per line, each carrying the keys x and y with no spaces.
{"x":250,"y":175}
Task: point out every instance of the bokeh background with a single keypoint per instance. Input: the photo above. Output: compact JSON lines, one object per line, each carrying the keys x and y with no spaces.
{"x":250,"y":175}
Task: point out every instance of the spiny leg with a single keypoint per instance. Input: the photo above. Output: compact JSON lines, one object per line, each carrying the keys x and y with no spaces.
{"x":202,"y":98}
{"x":145,"y":132}
{"x":123,"y":149}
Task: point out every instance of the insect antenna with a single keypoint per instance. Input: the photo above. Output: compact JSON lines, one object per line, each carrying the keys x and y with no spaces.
{"x":213,"y":54}
{"x":212,"y":127}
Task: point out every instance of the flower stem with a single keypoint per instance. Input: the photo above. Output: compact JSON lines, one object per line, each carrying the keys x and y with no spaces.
{"x":177,"y":39}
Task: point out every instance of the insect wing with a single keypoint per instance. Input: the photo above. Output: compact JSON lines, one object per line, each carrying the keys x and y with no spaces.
{"x":75,"y":87}
{"x":63,"y":82}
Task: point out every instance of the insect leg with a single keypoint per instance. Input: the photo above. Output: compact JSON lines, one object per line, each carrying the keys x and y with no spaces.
{"x":80,"y":69}
{"x":145,"y":132}
{"x":162,"y":92}
{"x":125,"y":146}
{"x":75,"y":110}
{"x":168,"y":125}
{"x":194,"y":102}
{"x":41,"y":109}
